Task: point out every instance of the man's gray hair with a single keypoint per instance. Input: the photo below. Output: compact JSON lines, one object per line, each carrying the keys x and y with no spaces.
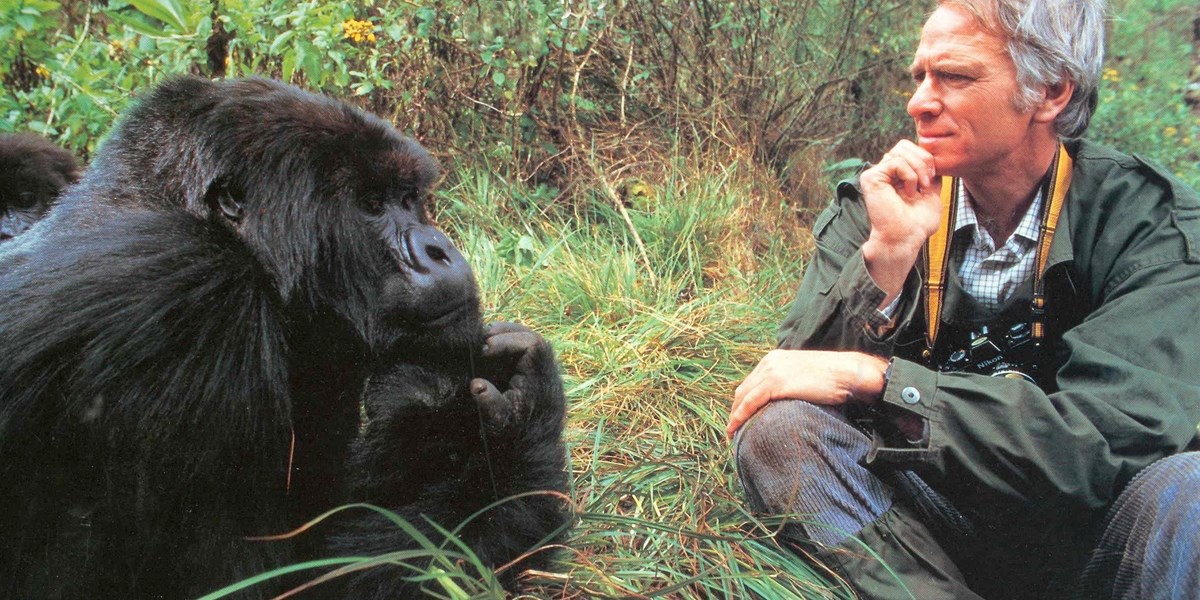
{"x":1050,"y":41}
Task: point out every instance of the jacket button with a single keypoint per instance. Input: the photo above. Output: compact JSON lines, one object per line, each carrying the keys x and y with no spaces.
{"x":910,"y":395}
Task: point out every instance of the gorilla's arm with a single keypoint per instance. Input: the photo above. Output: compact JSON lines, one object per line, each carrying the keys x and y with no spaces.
{"x":138,"y":391}
{"x":442,"y":448}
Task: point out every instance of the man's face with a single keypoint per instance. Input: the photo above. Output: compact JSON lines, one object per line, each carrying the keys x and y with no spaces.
{"x":963,"y":104}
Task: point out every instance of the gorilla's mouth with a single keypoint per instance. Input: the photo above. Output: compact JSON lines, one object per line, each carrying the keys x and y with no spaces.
{"x":455,"y":312}
{"x":436,"y":316}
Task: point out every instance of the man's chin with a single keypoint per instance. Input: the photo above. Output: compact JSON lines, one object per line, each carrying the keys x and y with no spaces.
{"x":946,"y":162}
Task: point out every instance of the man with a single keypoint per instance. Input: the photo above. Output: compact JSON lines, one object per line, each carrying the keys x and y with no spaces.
{"x":998,"y":331}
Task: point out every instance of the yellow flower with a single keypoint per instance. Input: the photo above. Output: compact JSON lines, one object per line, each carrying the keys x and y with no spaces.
{"x":116,"y":50}
{"x":1170,"y":131}
{"x":358,"y":31}
{"x":42,"y":71}
{"x":1111,"y":74}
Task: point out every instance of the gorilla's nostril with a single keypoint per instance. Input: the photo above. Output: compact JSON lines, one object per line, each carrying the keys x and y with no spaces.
{"x":437,"y":254}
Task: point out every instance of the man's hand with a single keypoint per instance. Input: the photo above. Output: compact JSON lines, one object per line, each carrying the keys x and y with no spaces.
{"x":904,"y":206}
{"x":816,"y":376}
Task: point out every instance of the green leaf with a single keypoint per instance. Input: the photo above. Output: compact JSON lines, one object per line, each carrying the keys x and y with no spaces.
{"x":846,"y":165}
{"x":289,"y":66}
{"x":425,"y":20}
{"x":135,"y":24}
{"x":280,"y":40}
{"x":42,"y":128}
{"x":167,"y":11}
{"x":313,"y":68}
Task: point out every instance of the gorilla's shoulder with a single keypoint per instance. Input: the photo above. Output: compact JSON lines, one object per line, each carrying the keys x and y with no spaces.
{"x":160,"y":278}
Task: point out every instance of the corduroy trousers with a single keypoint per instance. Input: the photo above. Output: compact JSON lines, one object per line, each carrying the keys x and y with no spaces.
{"x":895,"y":537}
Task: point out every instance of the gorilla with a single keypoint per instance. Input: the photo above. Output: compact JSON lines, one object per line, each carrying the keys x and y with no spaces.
{"x":240,"y":318}
{"x":32,"y":173}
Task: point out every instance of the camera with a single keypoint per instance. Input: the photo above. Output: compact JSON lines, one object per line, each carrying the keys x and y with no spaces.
{"x":1000,"y":352}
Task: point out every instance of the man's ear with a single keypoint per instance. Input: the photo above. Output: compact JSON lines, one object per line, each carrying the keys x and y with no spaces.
{"x":1056,"y":99}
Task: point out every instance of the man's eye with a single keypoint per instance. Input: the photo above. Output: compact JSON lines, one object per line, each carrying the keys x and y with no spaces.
{"x":958,"y":77}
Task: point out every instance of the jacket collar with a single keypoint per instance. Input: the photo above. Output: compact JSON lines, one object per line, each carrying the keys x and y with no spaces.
{"x":1061,"y":250}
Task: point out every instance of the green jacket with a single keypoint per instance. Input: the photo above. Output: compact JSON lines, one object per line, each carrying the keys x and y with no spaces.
{"x":1123,"y":385}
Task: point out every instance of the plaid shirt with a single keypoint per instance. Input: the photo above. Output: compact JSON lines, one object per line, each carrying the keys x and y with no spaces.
{"x":988,"y":273}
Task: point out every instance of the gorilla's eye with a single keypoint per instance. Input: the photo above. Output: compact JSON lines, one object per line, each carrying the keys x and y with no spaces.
{"x":372,"y":204}
{"x":226,"y":201}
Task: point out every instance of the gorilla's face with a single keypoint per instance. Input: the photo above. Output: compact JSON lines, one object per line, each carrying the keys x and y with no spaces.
{"x":417,"y":292}
{"x":18,"y":212}
{"x":33,"y":171}
{"x":334,"y":202}
{"x":427,"y":290}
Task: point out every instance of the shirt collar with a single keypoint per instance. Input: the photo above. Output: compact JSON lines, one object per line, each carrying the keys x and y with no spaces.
{"x":1027,"y":229}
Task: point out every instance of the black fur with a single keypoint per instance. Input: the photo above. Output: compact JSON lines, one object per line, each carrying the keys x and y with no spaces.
{"x":239,"y":261}
{"x":33,"y":172}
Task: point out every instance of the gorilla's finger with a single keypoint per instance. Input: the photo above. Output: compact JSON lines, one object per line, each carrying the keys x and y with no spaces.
{"x":500,"y":327}
{"x":509,"y":344}
{"x":497,"y":409}
{"x":485,"y":391}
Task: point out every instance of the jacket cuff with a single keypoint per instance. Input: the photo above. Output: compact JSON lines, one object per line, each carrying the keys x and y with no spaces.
{"x":862,"y":297}
{"x":909,"y":394}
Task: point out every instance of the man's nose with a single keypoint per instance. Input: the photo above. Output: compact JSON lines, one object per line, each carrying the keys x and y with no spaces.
{"x":924,"y":101}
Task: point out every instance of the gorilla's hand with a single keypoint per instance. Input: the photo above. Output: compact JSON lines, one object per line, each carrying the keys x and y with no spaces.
{"x":520,"y":377}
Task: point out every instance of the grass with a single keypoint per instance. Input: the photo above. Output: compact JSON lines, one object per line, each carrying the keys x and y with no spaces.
{"x":651,"y":347}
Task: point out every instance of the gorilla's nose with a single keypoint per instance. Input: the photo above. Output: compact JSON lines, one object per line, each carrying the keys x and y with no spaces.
{"x":439,"y":278}
{"x":431,"y":251}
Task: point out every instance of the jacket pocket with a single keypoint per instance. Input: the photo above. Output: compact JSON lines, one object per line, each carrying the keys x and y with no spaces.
{"x":1187,"y":220}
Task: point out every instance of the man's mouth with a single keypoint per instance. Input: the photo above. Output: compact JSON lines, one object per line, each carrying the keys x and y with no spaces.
{"x":930,"y":137}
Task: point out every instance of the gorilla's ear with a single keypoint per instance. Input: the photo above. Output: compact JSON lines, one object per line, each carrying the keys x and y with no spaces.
{"x":223,"y":199}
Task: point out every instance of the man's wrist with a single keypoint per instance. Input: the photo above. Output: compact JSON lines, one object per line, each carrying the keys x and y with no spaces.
{"x":872,"y":379}
{"x":889,"y":266}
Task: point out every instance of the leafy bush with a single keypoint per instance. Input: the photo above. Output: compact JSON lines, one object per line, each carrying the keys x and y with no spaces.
{"x":535,"y":83}
{"x":1154,"y":55}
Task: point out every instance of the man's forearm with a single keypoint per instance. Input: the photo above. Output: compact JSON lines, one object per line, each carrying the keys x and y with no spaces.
{"x":889,"y":265}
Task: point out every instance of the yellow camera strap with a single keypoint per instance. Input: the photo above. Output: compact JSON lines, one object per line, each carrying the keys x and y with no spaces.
{"x":937,"y":248}
{"x":937,"y":254}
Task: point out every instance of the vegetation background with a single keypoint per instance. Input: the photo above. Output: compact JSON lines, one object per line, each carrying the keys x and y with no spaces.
{"x":633,"y":178}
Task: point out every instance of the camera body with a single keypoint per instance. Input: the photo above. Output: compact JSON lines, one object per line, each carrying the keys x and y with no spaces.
{"x":1004,"y":351}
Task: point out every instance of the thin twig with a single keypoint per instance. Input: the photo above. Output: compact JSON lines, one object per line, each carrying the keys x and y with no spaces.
{"x":637,"y":239}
